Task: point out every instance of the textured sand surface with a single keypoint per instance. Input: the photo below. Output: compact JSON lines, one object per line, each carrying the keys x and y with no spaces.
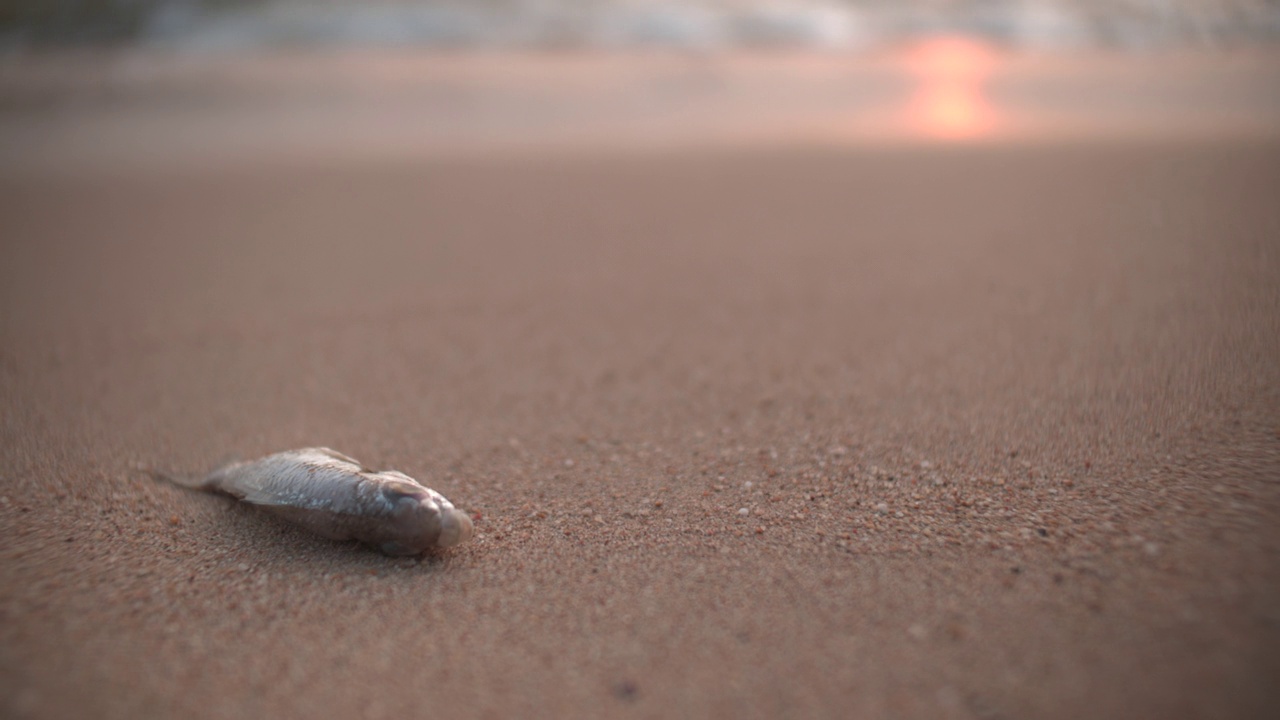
{"x":970,"y":433}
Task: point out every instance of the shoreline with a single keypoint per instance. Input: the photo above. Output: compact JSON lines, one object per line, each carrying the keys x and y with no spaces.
{"x":148,"y":110}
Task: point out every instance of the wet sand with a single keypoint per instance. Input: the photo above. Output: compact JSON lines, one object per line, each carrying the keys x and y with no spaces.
{"x":986,"y":432}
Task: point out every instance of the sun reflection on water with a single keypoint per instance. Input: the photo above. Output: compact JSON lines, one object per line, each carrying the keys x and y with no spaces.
{"x":950,"y":102}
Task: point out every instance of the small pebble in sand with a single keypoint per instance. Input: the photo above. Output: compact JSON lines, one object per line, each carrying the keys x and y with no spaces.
{"x":744,"y":512}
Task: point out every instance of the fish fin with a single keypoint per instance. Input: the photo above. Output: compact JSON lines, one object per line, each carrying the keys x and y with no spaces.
{"x":248,"y":489}
{"x":257,"y":496}
{"x":395,"y":549}
{"x":257,"y":489}
{"x":394,"y":489}
{"x":193,"y":483}
{"x":181,"y":481}
{"x":397,"y":476}
{"x":344,"y":458}
{"x":227,"y":461}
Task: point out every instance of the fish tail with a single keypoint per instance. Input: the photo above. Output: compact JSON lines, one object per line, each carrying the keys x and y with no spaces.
{"x":185,"y":481}
{"x":219,"y":477}
{"x":211,"y":481}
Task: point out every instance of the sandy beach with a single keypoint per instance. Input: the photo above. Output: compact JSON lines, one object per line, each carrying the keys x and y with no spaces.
{"x":930,"y":432}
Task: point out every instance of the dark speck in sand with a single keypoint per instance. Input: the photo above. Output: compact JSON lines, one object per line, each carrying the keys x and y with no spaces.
{"x":627,"y":690}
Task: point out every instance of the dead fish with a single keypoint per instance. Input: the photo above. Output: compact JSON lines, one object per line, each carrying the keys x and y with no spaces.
{"x":335,"y":496}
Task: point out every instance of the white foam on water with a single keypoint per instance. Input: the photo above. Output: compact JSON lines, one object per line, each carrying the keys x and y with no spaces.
{"x":700,"y":25}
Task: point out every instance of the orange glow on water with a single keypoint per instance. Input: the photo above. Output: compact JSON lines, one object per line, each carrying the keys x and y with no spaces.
{"x":950,"y":102}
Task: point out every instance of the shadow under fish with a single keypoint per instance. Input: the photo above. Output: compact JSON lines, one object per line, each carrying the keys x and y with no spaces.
{"x":337,"y":497}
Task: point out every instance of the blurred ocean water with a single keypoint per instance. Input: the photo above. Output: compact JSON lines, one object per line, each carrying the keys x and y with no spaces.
{"x":694,"y":25}
{"x":194,"y":83}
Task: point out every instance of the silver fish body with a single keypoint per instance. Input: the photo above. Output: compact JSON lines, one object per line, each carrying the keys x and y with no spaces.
{"x":335,"y":496}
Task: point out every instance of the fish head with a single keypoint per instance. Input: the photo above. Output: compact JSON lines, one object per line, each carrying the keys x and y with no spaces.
{"x":455,"y":527}
{"x":422,"y":518}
